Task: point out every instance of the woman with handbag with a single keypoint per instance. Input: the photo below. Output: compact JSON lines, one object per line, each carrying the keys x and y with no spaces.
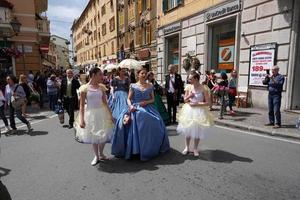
{"x":15,"y":98}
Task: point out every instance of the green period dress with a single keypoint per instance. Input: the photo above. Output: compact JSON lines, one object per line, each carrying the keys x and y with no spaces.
{"x":158,"y":103}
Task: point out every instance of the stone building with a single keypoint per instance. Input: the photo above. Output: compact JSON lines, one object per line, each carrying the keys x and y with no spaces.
{"x":60,"y":51}
{"x":95,"y":34}
{"x":137,"y":22}
{"x":247,"y":35}
{"x":29,"y":45}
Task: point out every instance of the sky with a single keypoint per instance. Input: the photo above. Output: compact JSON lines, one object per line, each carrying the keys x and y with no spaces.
{"x":62,"y":14}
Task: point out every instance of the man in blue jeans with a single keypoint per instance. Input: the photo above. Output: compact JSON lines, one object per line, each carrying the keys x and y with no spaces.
{"x":275,"y":86}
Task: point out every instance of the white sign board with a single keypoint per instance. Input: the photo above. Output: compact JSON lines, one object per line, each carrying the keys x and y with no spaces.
{"x":192,"y":45}
{"x":261,"y":60}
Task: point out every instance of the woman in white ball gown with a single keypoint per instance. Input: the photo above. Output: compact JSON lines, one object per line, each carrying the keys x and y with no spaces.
{"x":95,"y":124}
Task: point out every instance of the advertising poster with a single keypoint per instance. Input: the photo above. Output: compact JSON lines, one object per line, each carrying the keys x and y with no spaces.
{"x":226,"y":54}
{"x":262,"y":58}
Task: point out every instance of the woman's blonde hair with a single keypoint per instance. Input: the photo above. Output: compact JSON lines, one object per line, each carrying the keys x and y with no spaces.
{"x":21,"y":78}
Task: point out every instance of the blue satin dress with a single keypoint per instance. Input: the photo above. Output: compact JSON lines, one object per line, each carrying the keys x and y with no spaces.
{"x":118,"y":101}
{"x":146,"y":134}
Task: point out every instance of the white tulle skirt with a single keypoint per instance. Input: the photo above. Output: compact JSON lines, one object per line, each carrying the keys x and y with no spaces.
{"x":98,"y":129}
{"x":194,"y":120}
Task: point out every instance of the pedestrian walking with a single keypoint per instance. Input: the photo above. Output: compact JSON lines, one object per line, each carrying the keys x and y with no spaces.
{"x":23,"y":83}
{"x":15,"y":94}
{"x":232,"y":85}
{"x":139,"y":129}
{"x":211,"y":83}
{"x":275,"y":86}
{"x":194,"y":117}
{"x":174,"y":89}
{"x":119,"y":93}
{"x":52,"y":90}
{"x":68,"y":95}
{"x":95,"y":123}
{"x":2,"y":112}
{"x":222,"y":91}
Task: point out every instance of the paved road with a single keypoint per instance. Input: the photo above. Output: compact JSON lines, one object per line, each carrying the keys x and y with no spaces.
{"x":50,"y":165}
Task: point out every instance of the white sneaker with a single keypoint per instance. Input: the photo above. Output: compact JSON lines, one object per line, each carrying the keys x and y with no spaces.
{"x":29,"y":127}
{"x":7,"y":129}
{"x":95,"y":161}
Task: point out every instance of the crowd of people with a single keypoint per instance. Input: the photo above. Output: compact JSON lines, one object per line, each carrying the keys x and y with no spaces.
{"x":125,"y":107}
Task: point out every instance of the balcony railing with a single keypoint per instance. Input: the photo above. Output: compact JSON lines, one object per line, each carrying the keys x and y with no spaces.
{"x":43,"y":27}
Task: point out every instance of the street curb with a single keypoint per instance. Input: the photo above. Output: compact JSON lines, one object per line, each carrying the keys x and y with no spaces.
{"x":251,"y":129}
{"x":257,"y":130}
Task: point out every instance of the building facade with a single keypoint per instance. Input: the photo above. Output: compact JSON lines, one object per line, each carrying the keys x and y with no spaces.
{"x":247,"y":35}
{"x":32,"y":42}
{"x":60,"y":51}
{"x":95,"y":34}
{"x":137,"y":22}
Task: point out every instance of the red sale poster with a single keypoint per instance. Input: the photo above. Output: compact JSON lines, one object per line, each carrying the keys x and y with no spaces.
{"x":262,"y":58}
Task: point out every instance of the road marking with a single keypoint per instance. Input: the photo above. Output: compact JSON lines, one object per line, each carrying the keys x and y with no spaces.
{"x":259,"y":135}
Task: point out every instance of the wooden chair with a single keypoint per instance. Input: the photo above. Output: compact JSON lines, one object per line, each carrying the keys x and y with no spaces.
{"x":242,"y":97}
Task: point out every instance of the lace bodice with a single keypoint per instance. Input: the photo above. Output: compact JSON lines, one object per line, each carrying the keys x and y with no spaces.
{"x":199,"y":97}
{"x":120,"y":85}
{"x":94,"y":98}
{"x":140,"y":95}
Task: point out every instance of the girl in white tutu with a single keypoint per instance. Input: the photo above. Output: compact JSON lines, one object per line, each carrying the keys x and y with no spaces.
{"x":194,"y":116}
{"x":94,"y":125}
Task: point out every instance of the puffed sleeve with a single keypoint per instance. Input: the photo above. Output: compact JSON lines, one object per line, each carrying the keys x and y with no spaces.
{"x":187,"y":87}
{"x":103,"y":87}
{"x":83,"y":88}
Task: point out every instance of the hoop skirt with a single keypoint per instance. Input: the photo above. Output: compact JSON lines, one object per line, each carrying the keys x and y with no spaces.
{"x":145,"y":135}
{"x":160,"y":106}
{"x":118,"y":102}
{"x":193,"y":120}
{"x":99,"y":126}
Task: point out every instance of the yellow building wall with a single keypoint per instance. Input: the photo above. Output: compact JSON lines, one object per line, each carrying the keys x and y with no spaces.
{"x":189,"y":8}
{"x":28,"y":37}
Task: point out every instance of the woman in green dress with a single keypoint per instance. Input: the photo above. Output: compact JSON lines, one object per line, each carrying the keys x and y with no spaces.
{"x":158,"y":103}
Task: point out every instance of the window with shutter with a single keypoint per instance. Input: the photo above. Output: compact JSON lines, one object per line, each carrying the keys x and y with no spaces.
{"x":149,"y":4}
{"x":165,"y":5}
{"x":140,"y":7}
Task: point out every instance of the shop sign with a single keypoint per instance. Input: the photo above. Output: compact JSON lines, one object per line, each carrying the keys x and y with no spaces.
{"x":223,"y":10}
{"x":192,"y":45}
{"x":144,"y":54}
{"x":262,"y":58}
{"x":172,"y":28}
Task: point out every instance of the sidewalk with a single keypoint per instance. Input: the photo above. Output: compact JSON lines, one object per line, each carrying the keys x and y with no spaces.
{"x":253,"y":120}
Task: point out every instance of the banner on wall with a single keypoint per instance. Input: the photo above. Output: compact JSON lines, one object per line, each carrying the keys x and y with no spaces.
{"x":262,"y":58}
{"x":226,"y":54}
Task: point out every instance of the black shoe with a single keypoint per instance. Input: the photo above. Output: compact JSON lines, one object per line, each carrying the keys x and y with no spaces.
{"x":70,"y":126}
{"x":269,"y":124}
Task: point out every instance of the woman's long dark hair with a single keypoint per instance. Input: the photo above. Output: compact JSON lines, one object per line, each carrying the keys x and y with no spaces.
{"x":13,"y":78}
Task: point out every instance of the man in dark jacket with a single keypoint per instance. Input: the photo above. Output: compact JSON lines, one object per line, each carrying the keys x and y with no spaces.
{"x":275,"y":87}
{"x":174,"y":90}
{"x":68,"y":94}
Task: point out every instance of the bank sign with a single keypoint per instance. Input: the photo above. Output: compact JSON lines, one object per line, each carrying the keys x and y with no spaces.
{"x":223,"y":10}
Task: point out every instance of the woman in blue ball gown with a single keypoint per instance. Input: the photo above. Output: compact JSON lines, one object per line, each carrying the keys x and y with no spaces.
{"x":118,"y":98}
{"x":140,"y":129}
